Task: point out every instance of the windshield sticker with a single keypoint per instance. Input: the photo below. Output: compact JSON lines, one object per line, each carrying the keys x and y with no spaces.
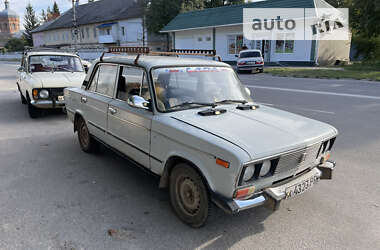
{"x":195,"y":69}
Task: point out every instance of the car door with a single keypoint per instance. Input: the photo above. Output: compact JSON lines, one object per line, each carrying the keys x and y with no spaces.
{"x":95,"y":100}
{"x":128,"y":126}
{"x":22,"y":75}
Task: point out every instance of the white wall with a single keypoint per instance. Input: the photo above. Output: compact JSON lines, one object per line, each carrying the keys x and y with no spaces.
{"x":189,"y":40}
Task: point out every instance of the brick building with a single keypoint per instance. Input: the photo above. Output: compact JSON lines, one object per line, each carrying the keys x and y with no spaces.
{"x":9,"y":20}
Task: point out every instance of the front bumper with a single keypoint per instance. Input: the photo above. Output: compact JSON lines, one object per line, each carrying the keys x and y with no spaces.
{"x":250,"y":67}
{"x":272,"y":196}
{"x":46,"y":104}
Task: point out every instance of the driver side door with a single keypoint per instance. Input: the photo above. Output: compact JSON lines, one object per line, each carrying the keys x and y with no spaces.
{"x":129,"y":127}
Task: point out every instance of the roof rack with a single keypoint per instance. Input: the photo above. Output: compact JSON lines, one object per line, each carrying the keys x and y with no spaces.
{"x":42,"y":49}
{"x":175,"y":52}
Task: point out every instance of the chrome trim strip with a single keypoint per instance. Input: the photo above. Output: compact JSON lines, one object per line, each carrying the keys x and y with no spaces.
{"x":246,"y":204}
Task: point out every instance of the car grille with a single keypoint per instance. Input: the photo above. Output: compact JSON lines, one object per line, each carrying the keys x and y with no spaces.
{"x":298,"y":160}
{"x":55,"y":92}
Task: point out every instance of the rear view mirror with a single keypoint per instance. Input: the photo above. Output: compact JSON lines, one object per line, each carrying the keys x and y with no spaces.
{"x":138,"y":102}
{"x":85,"y":68}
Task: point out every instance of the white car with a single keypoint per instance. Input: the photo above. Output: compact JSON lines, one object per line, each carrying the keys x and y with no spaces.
{"x":250,"y":60}
{"x":42,"y":77}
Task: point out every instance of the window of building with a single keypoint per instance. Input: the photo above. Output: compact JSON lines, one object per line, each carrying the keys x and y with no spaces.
{"x":208,"y":39}
{"x":95,"y":32}
{"x":234,"y":44}
{"x":88,"y":32}
{"x":285,"y":43}
{"x":122,"y":31}
{"x":200,"y":39}
{"x":108,"y":32}
{"x":82,"y":33}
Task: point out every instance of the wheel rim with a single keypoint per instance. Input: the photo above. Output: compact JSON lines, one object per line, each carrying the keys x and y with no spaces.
{"x":84,"y":136}
{"x":189,"y":196}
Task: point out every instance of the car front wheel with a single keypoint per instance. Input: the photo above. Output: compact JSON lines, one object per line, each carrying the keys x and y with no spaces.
{"x":189,"y":196}
{"x":33,"y":111}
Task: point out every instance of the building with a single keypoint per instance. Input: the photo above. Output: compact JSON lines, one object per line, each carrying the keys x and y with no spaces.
{"x":221,"y":29}
{"x":9,"y":20}
{"x":100,"y":24}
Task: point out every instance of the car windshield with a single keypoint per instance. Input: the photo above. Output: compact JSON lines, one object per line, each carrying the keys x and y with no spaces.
{"x":190,"y":87}
{"x":250,"y":54}
{"x":48,"y":63}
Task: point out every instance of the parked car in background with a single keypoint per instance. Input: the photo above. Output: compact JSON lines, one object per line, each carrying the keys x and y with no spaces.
{"x":195,"y":125}
{"x":42,"y":77}
{"x":250,"y":60}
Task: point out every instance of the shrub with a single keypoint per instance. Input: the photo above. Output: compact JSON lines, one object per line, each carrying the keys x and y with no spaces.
{"x":367,"y":48}
{"x":15,"y":44}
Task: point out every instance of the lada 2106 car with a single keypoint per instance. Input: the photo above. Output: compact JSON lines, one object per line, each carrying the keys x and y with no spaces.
{"x":44,"y":74}
{"x":194,"y":124}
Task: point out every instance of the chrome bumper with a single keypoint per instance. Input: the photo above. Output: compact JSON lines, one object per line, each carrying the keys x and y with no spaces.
{"x":45,"y":104}
{"x":271,"y":197}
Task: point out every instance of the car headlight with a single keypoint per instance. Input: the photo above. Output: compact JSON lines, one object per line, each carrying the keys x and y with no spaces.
{"x":265,"y":168}
{"x":44,"y":94}
{"x":248,"y":173}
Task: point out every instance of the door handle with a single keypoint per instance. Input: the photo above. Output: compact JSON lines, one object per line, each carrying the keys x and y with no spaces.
{"x":112,"y":111}
{"x":83,"y":99}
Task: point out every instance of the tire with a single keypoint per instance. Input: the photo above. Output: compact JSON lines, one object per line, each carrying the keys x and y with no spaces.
{"x":23,"y":99}
{"x":261,"y":70}
{"x":87,"y":143}
{"x":239,"y":71}
{"x":33,"y":111}
{"x":189,"y":196}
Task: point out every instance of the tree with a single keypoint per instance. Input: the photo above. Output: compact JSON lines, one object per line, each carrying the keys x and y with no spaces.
{"x":43,"y":16}
{"x":190,"y":5}
{"x":56,"y":9}
{"x":30,"y":23}
{"x":15,"y":44}
{"x":161,"y":12}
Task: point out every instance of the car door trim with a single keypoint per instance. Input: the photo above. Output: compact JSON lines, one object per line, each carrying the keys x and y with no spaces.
{"x":97,"y":126}
{"x":133,"y":146}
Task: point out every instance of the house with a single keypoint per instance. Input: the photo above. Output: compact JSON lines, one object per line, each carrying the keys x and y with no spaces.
{"x":100,"y":24}
{"x":221,"y":29}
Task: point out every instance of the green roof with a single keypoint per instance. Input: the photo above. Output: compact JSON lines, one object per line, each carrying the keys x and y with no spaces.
{"x":227,"y":15}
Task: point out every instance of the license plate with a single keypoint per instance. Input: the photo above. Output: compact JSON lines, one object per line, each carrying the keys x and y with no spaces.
{"x":301,"y":187}
{"x":61,"y":98}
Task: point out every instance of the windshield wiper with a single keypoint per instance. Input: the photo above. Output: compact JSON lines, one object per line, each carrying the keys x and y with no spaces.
{"x":233,"y":101}
{"x":211,"y":104}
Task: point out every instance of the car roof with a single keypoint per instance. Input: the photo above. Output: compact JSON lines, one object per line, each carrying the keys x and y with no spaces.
{"x":49,"y":53}
{"x":162,"y":61}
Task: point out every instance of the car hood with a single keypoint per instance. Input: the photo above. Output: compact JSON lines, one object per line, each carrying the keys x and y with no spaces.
{"x":59,"y":79}
{"x":260,"y":132}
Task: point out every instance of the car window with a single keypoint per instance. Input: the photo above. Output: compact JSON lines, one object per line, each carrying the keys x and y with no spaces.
{"x":94,"y":81}
{"x":106,"y":79}
{"x":132,"y":81}
{"x":55,"y":63}
{"x":250,"y":54}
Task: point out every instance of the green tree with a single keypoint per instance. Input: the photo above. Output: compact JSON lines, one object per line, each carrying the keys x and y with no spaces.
{"x":365,"y":17}
{"x":161,"y":12}
{"x":43,"y":16}
{"x":190,"y":5}
{"x":15,"y":44}
{"x":56,"y":9}
{"x":30,"y":23}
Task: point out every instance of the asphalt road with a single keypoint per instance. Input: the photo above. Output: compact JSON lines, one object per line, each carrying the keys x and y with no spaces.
{"x":54,"y":196}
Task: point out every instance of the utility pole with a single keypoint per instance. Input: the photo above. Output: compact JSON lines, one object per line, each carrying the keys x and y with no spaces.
{"x":75,"y":26}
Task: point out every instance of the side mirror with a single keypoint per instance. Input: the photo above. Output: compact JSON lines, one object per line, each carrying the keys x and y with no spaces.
{"x":237,"y":56}
{"x":85,"y":68}
{"x":248,"y":91}
{"x":138,"y":102}
{"x":20,"y":69}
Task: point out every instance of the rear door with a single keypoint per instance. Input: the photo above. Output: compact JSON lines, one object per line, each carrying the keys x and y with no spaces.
{"x":129,"y":127}
{"x":95,"y":100}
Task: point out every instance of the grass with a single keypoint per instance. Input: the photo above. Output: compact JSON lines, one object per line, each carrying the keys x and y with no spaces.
{"x":358,"y":71}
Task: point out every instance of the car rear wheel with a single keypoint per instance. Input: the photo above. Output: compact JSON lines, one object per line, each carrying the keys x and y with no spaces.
{"x":86,"y":142}
{"x":189,"y":196}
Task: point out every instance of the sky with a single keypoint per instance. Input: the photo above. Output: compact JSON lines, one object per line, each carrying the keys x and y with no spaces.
{"x":20,"y":5}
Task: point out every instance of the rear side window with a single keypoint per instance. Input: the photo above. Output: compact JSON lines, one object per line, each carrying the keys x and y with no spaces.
{"x":250,"y":54}
{"x":106,"y":79}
